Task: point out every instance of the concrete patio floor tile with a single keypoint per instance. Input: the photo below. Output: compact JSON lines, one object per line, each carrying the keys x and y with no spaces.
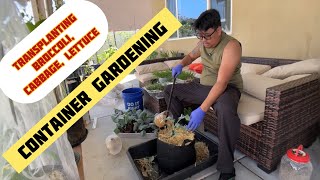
{"x":242,"y":173}
{"x":314,"y":153}
{"x":252,"y":165}
{"x":98,"y":163}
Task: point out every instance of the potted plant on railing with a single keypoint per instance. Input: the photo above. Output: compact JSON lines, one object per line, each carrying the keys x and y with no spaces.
{"x":133,"y":122}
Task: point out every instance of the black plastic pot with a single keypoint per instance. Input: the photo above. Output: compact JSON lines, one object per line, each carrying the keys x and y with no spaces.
{"x":173,"y":158}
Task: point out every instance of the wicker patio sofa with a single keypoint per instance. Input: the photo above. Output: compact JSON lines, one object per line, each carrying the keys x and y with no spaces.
{"x":291,"y":117}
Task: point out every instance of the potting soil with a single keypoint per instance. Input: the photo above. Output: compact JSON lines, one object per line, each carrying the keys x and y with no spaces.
{"x":148,"y":168}
{"x":175,"y":135}
{"x":202,"y":151}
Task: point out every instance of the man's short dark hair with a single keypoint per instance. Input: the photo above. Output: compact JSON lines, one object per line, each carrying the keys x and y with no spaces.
{"x":208,"y":19}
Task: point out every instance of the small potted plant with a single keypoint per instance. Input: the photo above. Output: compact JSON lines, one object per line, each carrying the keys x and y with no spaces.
{"x":133,"y":122}
{"x":163,"y":76}
{"x":185,"y":77}
{"x":154,"y":89}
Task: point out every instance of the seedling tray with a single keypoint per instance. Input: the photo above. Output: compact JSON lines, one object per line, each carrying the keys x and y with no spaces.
{"x":149,"y":149}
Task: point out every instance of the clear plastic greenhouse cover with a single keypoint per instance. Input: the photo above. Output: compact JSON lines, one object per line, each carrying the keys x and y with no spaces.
{"x":58,"y":161}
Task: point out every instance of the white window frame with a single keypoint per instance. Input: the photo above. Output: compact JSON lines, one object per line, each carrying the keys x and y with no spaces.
{"x":208,"y":7}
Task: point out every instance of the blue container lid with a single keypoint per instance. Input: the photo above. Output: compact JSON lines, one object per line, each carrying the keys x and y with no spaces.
{"x":132,"y":91}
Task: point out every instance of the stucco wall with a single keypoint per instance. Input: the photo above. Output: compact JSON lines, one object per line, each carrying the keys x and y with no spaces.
{"x":271,"y":28}
{"x":129,"y":14}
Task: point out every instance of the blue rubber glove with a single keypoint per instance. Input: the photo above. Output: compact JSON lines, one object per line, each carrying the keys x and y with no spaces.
{"x":196,"y":118}
{"x":176,"y":70}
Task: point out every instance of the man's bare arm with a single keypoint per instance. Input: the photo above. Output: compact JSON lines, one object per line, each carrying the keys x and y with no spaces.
{"x":193,"y":55}
{"x":230,"y":60}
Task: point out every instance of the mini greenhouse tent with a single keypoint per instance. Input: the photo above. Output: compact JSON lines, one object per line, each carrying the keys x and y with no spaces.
{"x":58,"y":161}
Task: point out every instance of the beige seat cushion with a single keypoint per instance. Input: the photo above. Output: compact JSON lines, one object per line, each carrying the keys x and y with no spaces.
{"x":254,"y":68}
{"x":302,"y":67}
{"x":172,"y":63}
{"x":250,"y":109}
{"x":256,"y":85}
{"x":149,"y":68}
{"x":145,"y":77}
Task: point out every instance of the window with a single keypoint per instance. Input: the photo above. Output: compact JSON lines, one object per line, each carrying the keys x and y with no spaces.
{"x":187,"y":11}
{"x":224,"y":8}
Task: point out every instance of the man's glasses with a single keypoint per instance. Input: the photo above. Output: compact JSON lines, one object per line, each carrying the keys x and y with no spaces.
{"x":206,"y":37}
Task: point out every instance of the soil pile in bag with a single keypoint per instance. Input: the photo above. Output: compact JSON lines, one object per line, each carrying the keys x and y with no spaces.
{"x":175,"y":149}
{"x":202,"y":151}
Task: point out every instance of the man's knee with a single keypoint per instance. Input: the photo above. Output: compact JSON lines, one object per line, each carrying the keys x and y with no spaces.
{"x":225,"y":105}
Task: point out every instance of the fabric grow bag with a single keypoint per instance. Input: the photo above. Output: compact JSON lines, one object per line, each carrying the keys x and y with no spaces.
{"x":173,"y":158}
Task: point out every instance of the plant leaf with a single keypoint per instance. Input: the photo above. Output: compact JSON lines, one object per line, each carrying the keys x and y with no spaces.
{"x":121,"y":122}
{"x":114,"y":119}
{"x":151,"y":159}
{"x":143,"y":133}
{"x":142,"y":127}
{"x":138,"y":112}
{"x":135,"y":126}
{"x":187,"y":117}
{"x":140,"y":121}
{"x":117,"y":111}
{"x":117,"y":131}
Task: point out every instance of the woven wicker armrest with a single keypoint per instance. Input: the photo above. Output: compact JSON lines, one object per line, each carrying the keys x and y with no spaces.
{"x":290,"y":109}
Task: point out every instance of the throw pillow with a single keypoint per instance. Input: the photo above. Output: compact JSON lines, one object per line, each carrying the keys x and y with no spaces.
{"x":302,"y":67}
{"x":196,"y":67}
{"x":254,"y":68}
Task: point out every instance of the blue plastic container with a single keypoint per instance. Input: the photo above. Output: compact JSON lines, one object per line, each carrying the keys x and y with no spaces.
{"x":133,"y":98}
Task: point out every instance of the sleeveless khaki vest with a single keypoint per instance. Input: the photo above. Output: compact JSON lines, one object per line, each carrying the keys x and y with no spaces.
{"x":211,"y":64}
